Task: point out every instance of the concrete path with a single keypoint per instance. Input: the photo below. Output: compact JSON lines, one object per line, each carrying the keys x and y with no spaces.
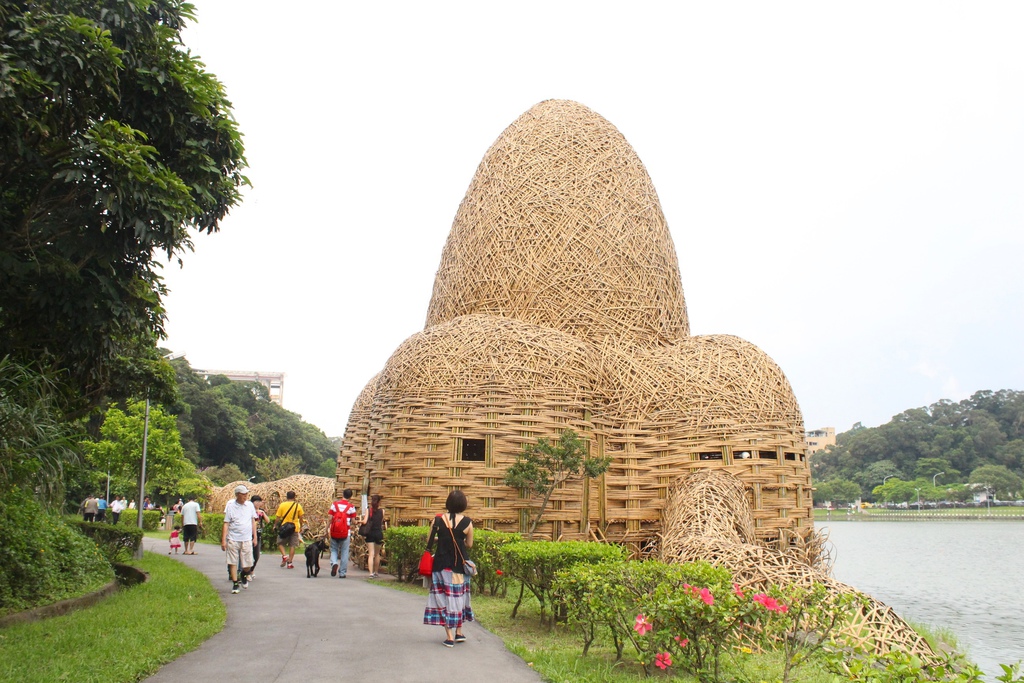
{"x":286,"y":627}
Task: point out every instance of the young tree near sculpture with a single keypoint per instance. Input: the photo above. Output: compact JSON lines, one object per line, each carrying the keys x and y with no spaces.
{"x":115,"y":144}
{"x":542,"y":467}
{"x":119,"y":452}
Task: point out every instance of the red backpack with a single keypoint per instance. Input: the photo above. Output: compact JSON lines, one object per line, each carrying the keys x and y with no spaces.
{"x":339,"y":524}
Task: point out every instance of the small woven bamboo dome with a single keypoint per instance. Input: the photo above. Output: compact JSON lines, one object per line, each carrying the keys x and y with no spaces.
{"x":558,"y":303}
{"x":315,"y":494}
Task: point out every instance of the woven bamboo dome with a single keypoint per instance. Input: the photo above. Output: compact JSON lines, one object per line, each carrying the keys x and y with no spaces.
{"x":315,"y":494}
{"x":558,"y":303}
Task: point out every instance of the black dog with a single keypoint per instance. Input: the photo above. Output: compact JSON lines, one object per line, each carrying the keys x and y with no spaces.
{"x":313,"y":552}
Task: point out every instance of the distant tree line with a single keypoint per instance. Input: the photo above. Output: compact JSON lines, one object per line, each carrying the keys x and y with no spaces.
{"x":946,"y":451}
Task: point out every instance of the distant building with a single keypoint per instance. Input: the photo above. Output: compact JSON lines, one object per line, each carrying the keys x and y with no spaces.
{"x":819,"y":439}
{"x":273,"y":381}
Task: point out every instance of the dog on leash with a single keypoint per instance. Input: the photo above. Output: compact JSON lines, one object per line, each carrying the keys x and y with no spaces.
{"x":313,"y":552}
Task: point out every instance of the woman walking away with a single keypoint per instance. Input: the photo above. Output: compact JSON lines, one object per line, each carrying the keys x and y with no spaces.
{"x":261,"y":520}
{"x":374,"y":535}
{"x":448,"y":602}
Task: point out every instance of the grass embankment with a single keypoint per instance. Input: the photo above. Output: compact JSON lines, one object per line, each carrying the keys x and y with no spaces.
{"x":123,"y":638}
{"x":556,"y":654}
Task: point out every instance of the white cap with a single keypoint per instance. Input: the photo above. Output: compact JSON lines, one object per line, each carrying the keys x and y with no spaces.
{"x":241,"y":489}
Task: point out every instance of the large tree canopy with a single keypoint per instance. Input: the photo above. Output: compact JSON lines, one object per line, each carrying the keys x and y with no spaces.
{"x":115,"y":143}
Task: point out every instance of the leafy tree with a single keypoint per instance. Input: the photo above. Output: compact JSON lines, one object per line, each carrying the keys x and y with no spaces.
{"x":224,"y":475}
{"x":1004,"y":483}
{"x":844,"y":490}
{"x":119,"y":451}
{"x":115,"y":144}
{"x":272,"y":469}
{"x":542,"y":467}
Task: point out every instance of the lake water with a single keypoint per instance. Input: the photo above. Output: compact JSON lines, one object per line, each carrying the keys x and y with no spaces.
{"x":964,"y":576}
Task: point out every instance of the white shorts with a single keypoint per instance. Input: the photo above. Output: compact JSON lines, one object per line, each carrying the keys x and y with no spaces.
{"x":239,"y":551}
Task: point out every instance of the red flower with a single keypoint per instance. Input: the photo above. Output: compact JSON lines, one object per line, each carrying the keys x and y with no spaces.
{"x":736,"y":589}
{"x":663,"y":661}
{"x":499,"y":572}
{"x":683,"y":642}
{"x":706,"y":596}
{"x":770,"y":603}
{"x":642,"y":626}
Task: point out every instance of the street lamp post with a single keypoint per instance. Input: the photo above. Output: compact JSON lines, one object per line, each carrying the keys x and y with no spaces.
{"x":887,"y":478}
{"x":933,"y":478}
{"x":142,"y":471}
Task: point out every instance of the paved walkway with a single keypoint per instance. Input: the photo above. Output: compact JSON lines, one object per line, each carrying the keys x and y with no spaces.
{"x":286,"y":627}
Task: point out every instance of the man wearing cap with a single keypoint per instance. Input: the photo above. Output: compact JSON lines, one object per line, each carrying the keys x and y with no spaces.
{"x":238,"y":535}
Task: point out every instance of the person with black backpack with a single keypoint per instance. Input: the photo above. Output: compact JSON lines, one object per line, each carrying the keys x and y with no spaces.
{"x":342,"y":513}
{"x":289,"y":521}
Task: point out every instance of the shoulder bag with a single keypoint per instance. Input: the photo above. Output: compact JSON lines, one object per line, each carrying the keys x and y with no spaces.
{"x":288,"y":528}
{"x":468,"y":566}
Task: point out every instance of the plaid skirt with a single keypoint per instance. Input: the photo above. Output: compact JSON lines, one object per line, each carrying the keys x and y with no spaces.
{"x":447,"y":604}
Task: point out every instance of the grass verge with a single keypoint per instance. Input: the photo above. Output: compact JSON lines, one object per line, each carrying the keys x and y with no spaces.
{"x":124,"y":638}
{"x":556,"y":654}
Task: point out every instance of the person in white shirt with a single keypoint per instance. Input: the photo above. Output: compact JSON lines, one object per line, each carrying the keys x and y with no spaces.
{"x":117,"y":506}
{"x":190,"y":521}
{"x":238,"y":535}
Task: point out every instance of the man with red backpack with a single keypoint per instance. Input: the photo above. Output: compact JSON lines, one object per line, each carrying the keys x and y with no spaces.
{"x":342,"y":513}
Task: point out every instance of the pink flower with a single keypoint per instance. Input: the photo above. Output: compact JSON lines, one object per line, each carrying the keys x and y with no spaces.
{"x":663,"y":661}
{"x":683,"y":642}
{"x":706,"y":596}
{"x":642,"y":626}
{"x":770,"y":603}
{"x":736,"y":589}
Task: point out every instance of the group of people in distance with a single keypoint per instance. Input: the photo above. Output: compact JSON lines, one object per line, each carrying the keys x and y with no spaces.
{"x":95,"y":508}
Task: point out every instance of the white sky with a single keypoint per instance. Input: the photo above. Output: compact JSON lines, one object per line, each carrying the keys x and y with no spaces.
{"x":843,"y":182}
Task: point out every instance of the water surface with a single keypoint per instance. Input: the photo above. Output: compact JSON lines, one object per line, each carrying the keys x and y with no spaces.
{"x":964,"y":576}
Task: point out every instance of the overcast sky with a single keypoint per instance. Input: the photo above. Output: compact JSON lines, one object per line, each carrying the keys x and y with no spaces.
{"x":843,"y":182}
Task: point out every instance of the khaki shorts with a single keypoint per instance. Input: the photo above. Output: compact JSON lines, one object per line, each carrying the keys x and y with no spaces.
{"x":239,"y":553}
{"x":292,"y":541}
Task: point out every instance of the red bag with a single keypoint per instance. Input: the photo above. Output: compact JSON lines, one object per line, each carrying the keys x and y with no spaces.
{"x":339,"y":526}
{"x":426,"y":564}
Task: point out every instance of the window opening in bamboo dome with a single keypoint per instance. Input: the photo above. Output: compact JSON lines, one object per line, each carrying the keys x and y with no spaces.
{"x":743,"y":455}
{"x":717,"y":455}
{"x":768,"y":455}
{"x":790,"y":456}
{"x":474,"y":450}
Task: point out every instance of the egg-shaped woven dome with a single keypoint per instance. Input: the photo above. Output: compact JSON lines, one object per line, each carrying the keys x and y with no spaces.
{"x":473,"y":351}
{"x":561,"y":227}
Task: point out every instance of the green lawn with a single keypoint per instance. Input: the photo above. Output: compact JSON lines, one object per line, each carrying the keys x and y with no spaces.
{"x":141,"y":629}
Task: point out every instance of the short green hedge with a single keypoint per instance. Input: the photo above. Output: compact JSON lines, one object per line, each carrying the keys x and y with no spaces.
{"x":405,"y":546}
{"x":117,"y":542}
{"x":536,"y":563}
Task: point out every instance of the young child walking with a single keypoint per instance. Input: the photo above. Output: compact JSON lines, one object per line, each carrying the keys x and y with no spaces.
{"x":175,"y":539}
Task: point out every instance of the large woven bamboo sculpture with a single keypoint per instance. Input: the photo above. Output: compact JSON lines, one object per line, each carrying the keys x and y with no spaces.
{"x":315,"y":494}
{"x":558,"y":303}
{"x":708,"y":518}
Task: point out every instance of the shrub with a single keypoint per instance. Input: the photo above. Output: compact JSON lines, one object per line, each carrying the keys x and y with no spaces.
{"x":152,"y":520}
{"x":535,"y":564}
{"x":486,"y":552}
{"x":405,"y":546}
{"x":117,"y":543}
{"x":42,"y":558}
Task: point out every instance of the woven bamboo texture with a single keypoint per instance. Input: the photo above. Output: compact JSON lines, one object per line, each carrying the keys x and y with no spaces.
{"x":708,"y":518}
{"x":315,"y":494}
{"x":558,"y":303}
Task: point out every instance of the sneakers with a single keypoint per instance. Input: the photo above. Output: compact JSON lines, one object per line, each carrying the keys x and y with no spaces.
{"x":459,"y":638}
{"x":449,"y":643}
{"x":245,"y":583}
{"x":234,"y":587}
{"x":334,"y":570}
{"x":341,"y":576}
{"x":291,"y":566}
{"x":284,"y":560}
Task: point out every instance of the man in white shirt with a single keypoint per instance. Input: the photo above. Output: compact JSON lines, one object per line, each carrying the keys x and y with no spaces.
{"x":238,"y":535}
{"x":190,"y":521}
{"x":117,"y":506}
